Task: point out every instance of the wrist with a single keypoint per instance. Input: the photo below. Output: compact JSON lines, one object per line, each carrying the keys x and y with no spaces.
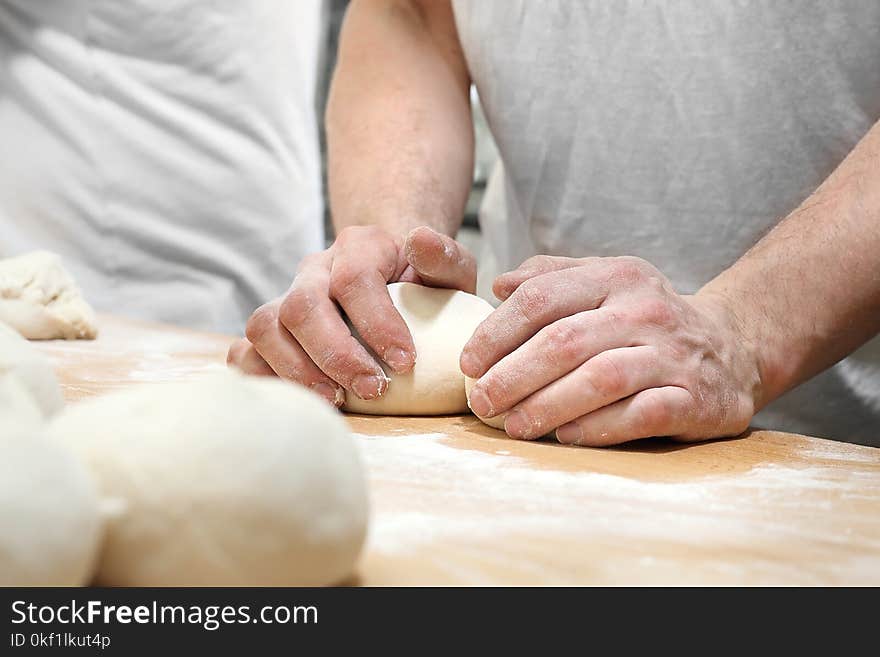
{"x":744,"y":346}
{"x":397,"y":225}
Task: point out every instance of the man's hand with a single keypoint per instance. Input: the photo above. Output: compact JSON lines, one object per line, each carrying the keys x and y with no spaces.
{"x":302,"y":335}
{"x":604,"y":351}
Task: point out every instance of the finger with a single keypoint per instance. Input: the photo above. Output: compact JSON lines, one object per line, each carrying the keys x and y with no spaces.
{"x":440,"y":261}
{"x":409,"y":275}
{"x":536,"y":303}
{"x":505,"y":284}
{"x":315,"y":323}
{"x":653,"y":412}
{"x":358,"y":282}
{"x":244,"y":357}
{"x":277,"y":348}
{"x":604,"y":379}
{"x":551,"y":353}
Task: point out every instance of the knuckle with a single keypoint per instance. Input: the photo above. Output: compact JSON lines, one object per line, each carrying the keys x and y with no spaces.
{"x":618,"y":317}
{"x":343,"y":280}
{"x":294,"y":372}
{"x":654,"y":414}
{"x":655,"y":311}
{"x":530,"y":300}
{"x":296,"y":307}
{"x":606,"y":377}
{"x":498,"y":389}
{"x":655,"y":283}
{"x":332,"y":361}
{"x":562,"y":340}
{"x":340,"y":365}
{"x":627,"y":316}
{"x":635,"y":272}
{"x":677,"y":351}
{"x":537,"y":262}
{"x":260,"y":322}
{"x":629,"y":269}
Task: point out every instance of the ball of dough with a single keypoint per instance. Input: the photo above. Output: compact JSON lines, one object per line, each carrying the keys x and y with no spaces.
{"x":224,"y":481}
{"x":21,"y":361}
{"x":18,"y":408}
{"x":496,"y":422}
{"x":40,"y":300}
{"x":50,"y":524}
{"x":441,"y":322}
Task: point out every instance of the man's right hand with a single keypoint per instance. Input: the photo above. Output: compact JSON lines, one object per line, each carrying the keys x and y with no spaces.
{"x":302,"y":336}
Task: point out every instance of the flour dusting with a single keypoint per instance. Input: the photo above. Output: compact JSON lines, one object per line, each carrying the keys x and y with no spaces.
{"x":493,"y":498}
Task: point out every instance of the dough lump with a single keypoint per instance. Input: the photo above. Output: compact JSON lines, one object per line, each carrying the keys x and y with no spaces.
{"x":441,"y":322}
{"x":224,"y":481}
{"x":39,"y":299}
{"x":24,"y":368}
{"x":18,"y":408}
{"x":50,"y":522}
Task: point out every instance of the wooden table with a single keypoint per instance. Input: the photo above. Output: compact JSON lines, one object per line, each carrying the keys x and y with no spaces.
{"x":455,"y":502}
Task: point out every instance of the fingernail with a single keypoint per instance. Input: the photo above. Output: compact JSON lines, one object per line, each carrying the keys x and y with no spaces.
{"x":517,"y":424}
{"x":399,"y":360}
{"x":332,"y":394}
{"x":469,"y":365}
{"x":480,"y":403}
{"x":369,"y":387}
{"x":569,"y":433}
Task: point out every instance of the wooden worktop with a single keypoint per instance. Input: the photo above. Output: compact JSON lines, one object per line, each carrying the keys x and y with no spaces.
{"x":455,"y":502}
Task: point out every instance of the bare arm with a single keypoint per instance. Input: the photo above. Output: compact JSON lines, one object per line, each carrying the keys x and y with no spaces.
{"x":604,"y":350}
{"x":809,"y":292}
{"x":400,"y":144}
{"x":399,"y":131}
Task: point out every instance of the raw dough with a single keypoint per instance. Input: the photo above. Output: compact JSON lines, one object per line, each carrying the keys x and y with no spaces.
{"x":39,"y":299}
{"x":441,"y":322}
{"x":50,"y":524}
{"x":22,"y":366}
{"x":224,"y":481}
{"x":18,"y":408}
{"x":497,"y":422}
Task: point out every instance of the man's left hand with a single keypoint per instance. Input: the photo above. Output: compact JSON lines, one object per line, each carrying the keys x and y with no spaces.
{"x":604,"y":350}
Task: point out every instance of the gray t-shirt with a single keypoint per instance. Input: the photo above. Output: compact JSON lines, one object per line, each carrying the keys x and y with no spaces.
{"x":680,"y":132}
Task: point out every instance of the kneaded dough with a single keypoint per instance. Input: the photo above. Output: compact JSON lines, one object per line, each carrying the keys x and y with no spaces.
{"x":23,"y":367}
{"x":441,"y":322}
{"x":39,"y":299}
{"x":18,"y":408}
{"x":50,"y":522}
{"x":224,"y":481}
{"x":496,"y":422}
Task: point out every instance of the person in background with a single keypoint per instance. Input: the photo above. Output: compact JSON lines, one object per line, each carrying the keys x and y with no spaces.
{"x":168,"y":151}
{"x":647,"y":153}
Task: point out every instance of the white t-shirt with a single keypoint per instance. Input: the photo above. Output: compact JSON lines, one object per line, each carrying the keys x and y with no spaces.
{"x":167,"y":150}
{"x":680,"y":132}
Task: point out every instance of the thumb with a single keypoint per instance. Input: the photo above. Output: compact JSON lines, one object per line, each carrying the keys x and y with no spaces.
{"x":440,"y":261}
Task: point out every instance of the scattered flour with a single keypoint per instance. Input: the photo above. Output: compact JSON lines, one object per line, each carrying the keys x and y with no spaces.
{"x":496,"y":498}
{"x":131,"y":353}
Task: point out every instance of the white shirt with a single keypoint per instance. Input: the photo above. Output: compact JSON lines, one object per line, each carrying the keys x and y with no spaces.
{"x":166,"y":149}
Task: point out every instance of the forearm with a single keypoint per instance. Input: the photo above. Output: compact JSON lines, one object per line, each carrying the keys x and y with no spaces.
{"x":399,"y":132}
{"x":808,"y":293}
